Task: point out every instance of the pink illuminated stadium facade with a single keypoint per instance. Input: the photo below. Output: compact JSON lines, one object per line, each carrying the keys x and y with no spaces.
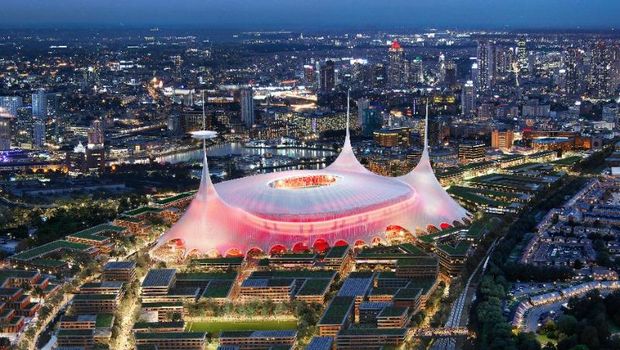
{"x":342,"y":204}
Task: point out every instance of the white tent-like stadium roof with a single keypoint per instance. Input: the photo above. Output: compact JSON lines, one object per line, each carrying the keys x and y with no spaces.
{"x":343,"y":202}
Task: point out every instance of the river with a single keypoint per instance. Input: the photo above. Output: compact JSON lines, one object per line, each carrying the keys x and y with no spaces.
{"x":237,"y":149}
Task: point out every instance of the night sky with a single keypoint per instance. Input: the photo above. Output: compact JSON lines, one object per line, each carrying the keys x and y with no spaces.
{"x":315,"y":14}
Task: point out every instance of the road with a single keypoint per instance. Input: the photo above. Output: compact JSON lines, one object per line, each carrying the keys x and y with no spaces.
{"x":456,"y":313}
{"x":531,"y":319}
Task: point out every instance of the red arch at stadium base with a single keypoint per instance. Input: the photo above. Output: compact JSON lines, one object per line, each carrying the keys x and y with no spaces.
{"x":320,"y":245}
{"x":300,"y":247}
{"x":360,"y":243}
{"x":233,"y":253}
{"x":277,"y":249}
{"x":256,"y":251}
{"x":341,"y":243}
{"x":377,"y":241}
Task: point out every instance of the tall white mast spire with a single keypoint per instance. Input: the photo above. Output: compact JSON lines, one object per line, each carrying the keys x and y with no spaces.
{"x":205,"y":181}
{"x":348,"y":135}
{"x":204,"y":126}
{"x":426,"y":128}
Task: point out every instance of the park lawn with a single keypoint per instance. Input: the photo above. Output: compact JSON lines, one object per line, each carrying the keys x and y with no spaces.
{"x":543,"y":340}
{"x":216,"y":327}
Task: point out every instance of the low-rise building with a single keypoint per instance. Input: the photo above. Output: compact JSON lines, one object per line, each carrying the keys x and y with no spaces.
{"x":171,"y":340}
{"x":258,"y":340}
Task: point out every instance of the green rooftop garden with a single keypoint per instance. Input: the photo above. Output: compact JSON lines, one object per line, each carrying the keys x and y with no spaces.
{"x":460,"y":249}
{"x":175,"y":198}
{"x":49,"y":248}
{"x":141,"y":211}
{"x":314,"y":287}
{"x":104,"y":320}
{"x":337,"y":311}
{"x":218,"y":289}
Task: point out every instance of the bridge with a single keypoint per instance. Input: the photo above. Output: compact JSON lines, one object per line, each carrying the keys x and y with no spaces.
{"x":442,"y":332}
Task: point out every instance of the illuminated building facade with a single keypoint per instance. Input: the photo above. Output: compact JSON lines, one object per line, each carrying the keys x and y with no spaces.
{"x":342,"y":204}
{"x":397,"y":65}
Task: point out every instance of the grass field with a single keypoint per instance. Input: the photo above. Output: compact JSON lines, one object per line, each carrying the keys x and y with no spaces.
{"x":543,"y":340}
{"x":215,"y":327}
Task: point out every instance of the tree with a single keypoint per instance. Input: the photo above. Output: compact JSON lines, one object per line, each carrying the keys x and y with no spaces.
{"x":527,"y":341}
{"x":567,"y":324}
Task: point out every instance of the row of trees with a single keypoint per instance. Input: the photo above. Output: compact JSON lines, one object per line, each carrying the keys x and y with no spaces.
{"x":586,"y":323}
{"x":494,"y":330}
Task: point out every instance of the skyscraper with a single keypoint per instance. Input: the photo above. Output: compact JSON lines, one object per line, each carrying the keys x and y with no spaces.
{"x":396,"y":68}
{"x":309,"y":74}
{"x":5,"y":129}
{"x":96,"y":134}
{"x":362,"y":105}
{"x":449,"y":74}
{"x":39,"y":104}
{"x":522,"y":57}
{"x":601,"y":70}
{"x":468,"y":99}
{"x":504,"y":60}
{"x":327,"y":76}
{"x":38,"y":133}
{"x":247,"y":106}
{"x":11,"y":104}
{"x":475,"y":76}
{"x":416,"y":71}
{"x":573,"y":64}
{"x":372,"y":120}
{"x":378,"y":75}
{"x":95,"y":150}
{"x":486,"y":64}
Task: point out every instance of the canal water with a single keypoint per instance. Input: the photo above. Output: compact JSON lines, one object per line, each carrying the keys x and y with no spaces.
{"x":237,"y":149}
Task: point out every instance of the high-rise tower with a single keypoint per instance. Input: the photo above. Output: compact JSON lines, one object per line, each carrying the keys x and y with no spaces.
{"x":247,"y":107}
{"x":39,"y":103}
{"x":522,"y":57}
{"x":486,"y":64}
{"x":327,"y":76}
{"x":601,"y":70}
{"x":468,"y":98}
{"x":396,"y":68}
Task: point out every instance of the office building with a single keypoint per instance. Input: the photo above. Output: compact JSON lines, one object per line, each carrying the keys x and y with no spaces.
{"x":38,"y":133}
{"x":372,"y":120}
{"x":468,"y":99}
{"x":573,"y":65}
{"x":309,"y":74}
{"x":95,"y":150}
{"x":601,"y":71}
{"x":449,"y":73}
{"x":11,"y":104}
{"x":247,"y":107}
{"x":471,"y":151}
{"x":396,"y":67}
{"x":475,"y":76}
{"x":486,"y":64}
{"x":39,"y":104}
{"x":522,"y":57}
{"x":5,"y":129}
{"x":502,"y":139}
{"x":416,"y":71}
{"x":327,"y":76}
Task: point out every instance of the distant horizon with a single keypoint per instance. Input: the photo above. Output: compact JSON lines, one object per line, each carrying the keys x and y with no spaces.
{"x":316,"y":15}
{"x":344,"y":30}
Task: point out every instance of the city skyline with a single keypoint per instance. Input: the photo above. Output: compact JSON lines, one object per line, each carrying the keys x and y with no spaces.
{"x":309,"y":175}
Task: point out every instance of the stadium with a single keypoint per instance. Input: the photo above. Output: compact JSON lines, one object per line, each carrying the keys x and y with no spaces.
{"x":297,"y":210}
